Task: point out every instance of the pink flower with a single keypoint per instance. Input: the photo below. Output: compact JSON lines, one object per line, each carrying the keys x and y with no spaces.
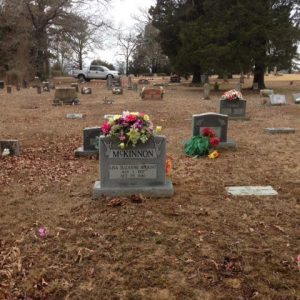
{"x":43,"y":232}
{"x":106,"y":128}
{"x":130,"y":118}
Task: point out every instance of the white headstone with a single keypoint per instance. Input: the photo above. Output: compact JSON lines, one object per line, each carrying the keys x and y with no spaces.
{"x":277,"y":99}
{"x":251,"y":191}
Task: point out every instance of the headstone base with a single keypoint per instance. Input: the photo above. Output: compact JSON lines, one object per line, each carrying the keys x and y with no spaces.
{"x":79,"y":152}
{"x":227,"y":145}
{"x":162,"y":191}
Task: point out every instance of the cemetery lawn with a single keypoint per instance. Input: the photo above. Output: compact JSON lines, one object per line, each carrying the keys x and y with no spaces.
{"x":201,"y":244}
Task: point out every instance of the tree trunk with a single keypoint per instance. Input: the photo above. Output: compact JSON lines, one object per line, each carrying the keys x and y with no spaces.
{"x":259,"y":76}
{"x":196,"y":77}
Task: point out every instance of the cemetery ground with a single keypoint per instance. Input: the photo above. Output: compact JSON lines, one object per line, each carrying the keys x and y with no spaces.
{"x":200,"y":244}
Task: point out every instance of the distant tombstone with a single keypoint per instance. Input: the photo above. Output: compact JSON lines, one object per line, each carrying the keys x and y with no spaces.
{"x":1,"y":85}
{"x":86,"y":90}
{"x":255,"y":86}
{"x":275,"y":71}
{"x":175,"y":78}
{"x":242,"y":79}
{"x":90,"y":142}
{"x":52,"y":86}
{"x":133,"y":170}
{"x":238,"y":87}
{"x":75,"y":116}
{"x":217,"y":122}
{"x":39,"y":89}
{"x":76,"y":86}
{"x":45,"y":86}
{"x":13,"y":146}
{"x":8,"y":89}
{"x":203,"y":76}
{"x":277,"y":99}
{"x":18,"y":87}
{"x":116,"y":82}
{"x":25,"y":84}
{"x":65,"y":95}
{"x":135,"y":87}
{"x":109,"y":82}
{"x":152,"y":94}
{"x":296,"y":98}
{"x":117,"y":90}
{"x":143,"y":81}
{"x":129,"y":83}
{"x":266,"y":92}
{"x":36,"y":82}
{"x":206,"y":91}
{"x":235,"y":109}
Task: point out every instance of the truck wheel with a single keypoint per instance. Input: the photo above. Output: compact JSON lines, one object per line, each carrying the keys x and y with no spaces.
{"x":81,"y":78}
{"x":109,"y":76}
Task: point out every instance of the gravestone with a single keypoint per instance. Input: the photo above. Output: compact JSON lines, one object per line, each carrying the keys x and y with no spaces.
{"x":25,"y":84}
{"x":75,"y":116}
{"x":175,"y":78}
{"x":52,"y":86}
{"x":76,"y":86}
{"x":8,"y":89}
{"x":133,"y":170}
{"x":117,"y":90}
{"x":296,"y":98}
{"x":238,"y":87}
{"x":90,"y":136}
{"x":116,"y":82}
{"x":39,"y":89}
{"x":242,"y":79}
{"x":109,"y":82}
{"x":12,"y":145}
{"x":1,"y":84}
{"x":18,"y":87}
{"x":152,"y":94}
{"x":251,"y":191}
{"x":279,"y":130}
{"x":135,"y":87}
{"x":36,"y":82}
{"x":266,"y":92}
{"x":65,"y":95}
{"x":129,"y":83}
{"x":46,"y":86}
{"x":217,"y":122}
{"x":206,"y":91}
{"x":277,"y":99}
{"x":235,"y":109}
{"x":255,"y":86}
{"x":86,"y":90}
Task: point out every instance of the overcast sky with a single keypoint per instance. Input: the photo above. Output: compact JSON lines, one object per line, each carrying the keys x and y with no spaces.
{"x":121,"y":13}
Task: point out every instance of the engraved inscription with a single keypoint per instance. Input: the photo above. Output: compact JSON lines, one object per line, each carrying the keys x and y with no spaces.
{"x":141,"y":171}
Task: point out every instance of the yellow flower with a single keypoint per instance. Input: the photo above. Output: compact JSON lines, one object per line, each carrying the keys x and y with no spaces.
{"x":116,"y":117}
{"x":158,"y":129}
{"x":135,"y":113}
{"x":146,"y":118}
{"x":122,"y":145}
{"x":215,"y":154}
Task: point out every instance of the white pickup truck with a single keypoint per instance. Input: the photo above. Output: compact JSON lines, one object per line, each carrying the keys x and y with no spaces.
{"x":94,"y":72}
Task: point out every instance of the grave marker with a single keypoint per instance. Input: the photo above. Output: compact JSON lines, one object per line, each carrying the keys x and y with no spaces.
{"x":217,"y":122}
{"x":235,"y":109}
{"x":8,"y":89}
{"x":251,"y":191}
{"x":1,"y":84}
{"x":296,"y":98}
{"x":65,"y":95}
{"x":206,"y":91}
{"x":266,"y":92}
{"x":75,"y":116}
{"x":86,"y":90}
{"x":152,"y":94}
{"x":279,"y":130}
{"x":46,"y":86}
{"x":76,"y":86}
{"x":117,"y":90}
{"x":277,"y":99}
{"x":129,"y":83}
{"x":133,"y":170}
{"x":12,"y":145}
{"x":90,"y":136}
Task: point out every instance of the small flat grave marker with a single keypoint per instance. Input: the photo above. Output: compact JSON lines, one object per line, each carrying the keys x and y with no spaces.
{"x":75,"y":116}
{"x":86,"y":90}
{"x":117,"y":90}
{"x":251,"y":191}
{"x":266,"y":92}
{"x":152,"y":94}
{"x":279,"y":130}
{"x":296,"y":98}
{"x":277,"y":99}
{"x":46,"y":86}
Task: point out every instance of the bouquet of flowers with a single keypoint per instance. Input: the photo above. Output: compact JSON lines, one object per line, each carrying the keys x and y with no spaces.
{"x":201,"y":145}
{"x":129,"y":128}
{"x":232,"y":95}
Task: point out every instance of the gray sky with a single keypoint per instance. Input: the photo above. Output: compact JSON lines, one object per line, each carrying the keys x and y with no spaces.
{"x":121,"y":13}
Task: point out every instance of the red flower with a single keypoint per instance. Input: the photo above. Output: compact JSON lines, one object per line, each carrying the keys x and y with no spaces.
{"x":105,"y":128}
{"x":208,"y":132}
{"x":214,"y":141}
{"x":131,"y":118}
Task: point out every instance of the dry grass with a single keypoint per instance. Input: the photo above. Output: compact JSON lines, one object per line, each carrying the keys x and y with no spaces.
{"x":201,"y":244}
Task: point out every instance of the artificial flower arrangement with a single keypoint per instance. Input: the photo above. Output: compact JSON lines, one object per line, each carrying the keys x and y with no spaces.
{"x":232,"y":95}
{"x":201,"y":145}
{"x":129,"y":128}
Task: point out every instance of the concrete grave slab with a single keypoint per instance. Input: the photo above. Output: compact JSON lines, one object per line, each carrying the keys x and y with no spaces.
{"x":75,"y":116}
{"x":279,"y":130}
{"x":277,"y":99}
{"x":251,"y":191}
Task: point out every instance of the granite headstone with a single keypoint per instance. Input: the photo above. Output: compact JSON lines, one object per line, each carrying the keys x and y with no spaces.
{"x":90,"y":136}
